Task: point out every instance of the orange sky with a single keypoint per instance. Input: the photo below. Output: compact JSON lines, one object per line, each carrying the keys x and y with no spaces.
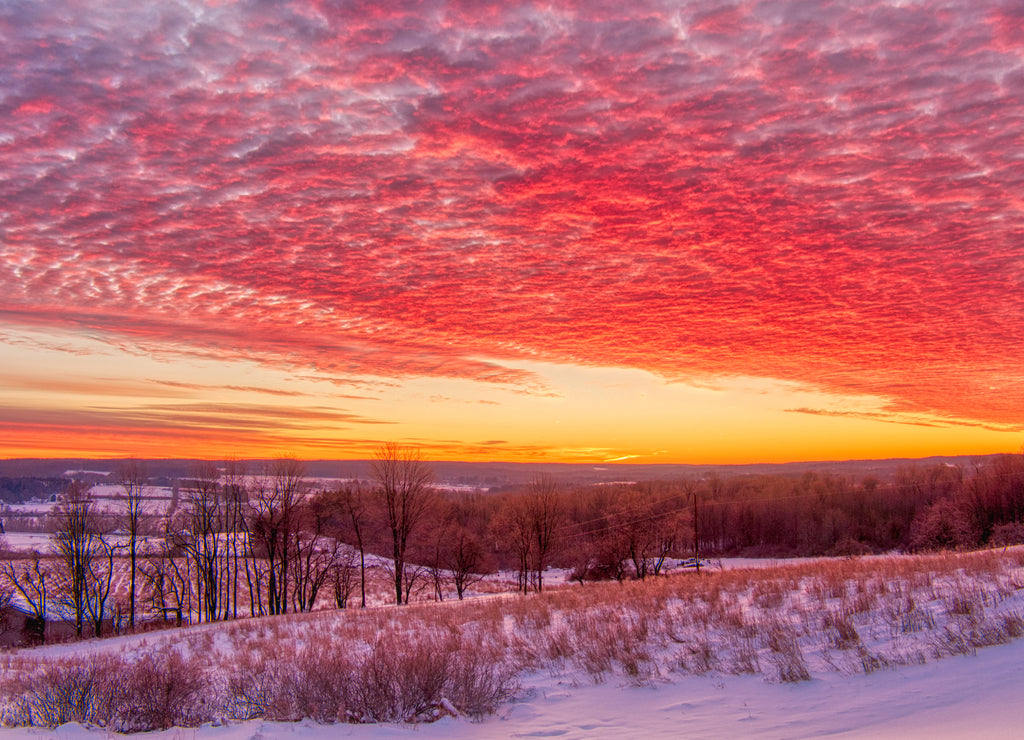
{"x":503,"y":231}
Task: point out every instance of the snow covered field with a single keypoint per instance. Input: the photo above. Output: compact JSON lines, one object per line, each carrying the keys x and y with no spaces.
{"x":976,"y":696}
{"x":108,"y":499}
{"x":892,"y":648}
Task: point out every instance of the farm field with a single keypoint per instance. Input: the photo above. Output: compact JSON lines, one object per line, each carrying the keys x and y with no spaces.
{"x":907,"y":646}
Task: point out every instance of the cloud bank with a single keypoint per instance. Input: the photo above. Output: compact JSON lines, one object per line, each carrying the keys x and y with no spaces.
{"x":820,"y":192}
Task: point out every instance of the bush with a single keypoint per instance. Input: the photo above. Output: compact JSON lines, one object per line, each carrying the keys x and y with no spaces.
{"x":944,"y":525}
{"x":319,"y":684}
{"x":402,"y":680}
{"x":273,"y":684}
{"x":159,"y":691}
{"x":153,"y":692}
{"x":423,"y":677}
{"x":1004,"y":535}
{"x":68,"y":691}
{"x":481,"y":681}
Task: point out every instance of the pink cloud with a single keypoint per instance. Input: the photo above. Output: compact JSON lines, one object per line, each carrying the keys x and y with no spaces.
{"x":820,"y":193}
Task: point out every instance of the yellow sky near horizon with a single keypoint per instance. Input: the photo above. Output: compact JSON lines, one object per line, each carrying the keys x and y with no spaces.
{"x":64,"y":395}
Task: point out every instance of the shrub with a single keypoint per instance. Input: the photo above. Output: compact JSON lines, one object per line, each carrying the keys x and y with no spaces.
{"x":420,"y":663}
{"x":68,"y":691}
{"x":946,"y":524}
{"x":481,"y":681}
{"x":255,"y":688}
{"x":314,"y":682}
{"x":745,"y":658}
{"x":420,"y":678}
{"x":319,"y":683}
{"x":871,"y":662}
{"x":400,"y":681}
{"x":159,"y":691}
{"x":1004,"y":535}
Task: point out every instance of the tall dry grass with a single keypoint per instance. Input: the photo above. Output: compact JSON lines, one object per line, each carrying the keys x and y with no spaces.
{"x":420,"y":662}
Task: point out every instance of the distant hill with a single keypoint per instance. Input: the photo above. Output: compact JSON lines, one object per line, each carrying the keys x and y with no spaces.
{"x":490,"y":475}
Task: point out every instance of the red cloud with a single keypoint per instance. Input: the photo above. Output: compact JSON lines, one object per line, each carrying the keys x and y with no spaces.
{"x":825,"y":195}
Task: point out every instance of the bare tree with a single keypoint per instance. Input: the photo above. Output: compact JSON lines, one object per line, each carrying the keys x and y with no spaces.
{"x":343,"y":577}
{"x":199,"y":528}
{"x":611,"y":551}
{"x":641,"y":525}
{"x":313,"y":553}
{"x":512,"y":529}
{"x":133,"y":478}
{"x":6,"y":594}
{"x":272,"y":506}
{"x":434,"y":558}
{"x":247,"y":501}
{"x":255,"y":573}
{"x":75,"y":540}
{"x":414,"y":579}
{"x":545,"y":511}
{"x":465,"y":560}
{"x":403,"y":488}
{"x":167,"y":580}
{"x":99,"y":584}
{"x":352,"y":499}
{"x":32,"y":583}
{"x":670,"y":533}
{"x":236,"y":497}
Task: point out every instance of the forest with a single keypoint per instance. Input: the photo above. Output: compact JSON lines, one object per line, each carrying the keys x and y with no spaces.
{"x":235,"y":542}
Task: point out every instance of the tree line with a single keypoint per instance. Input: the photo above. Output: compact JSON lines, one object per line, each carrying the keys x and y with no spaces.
{"x":237,"y":543}
{"x":923,"y":508}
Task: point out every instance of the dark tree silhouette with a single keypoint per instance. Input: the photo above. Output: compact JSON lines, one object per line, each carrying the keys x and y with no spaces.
{"x":405,"y":494}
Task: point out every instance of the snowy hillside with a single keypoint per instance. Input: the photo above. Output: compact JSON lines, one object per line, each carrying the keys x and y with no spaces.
{"x":874,"y":647}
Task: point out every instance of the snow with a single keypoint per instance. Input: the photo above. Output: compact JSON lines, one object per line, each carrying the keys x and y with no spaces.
{"x":28,"y":542}
{"x":967,"y":696}
{"x":107,"y":498}
{"x":974,"y":695}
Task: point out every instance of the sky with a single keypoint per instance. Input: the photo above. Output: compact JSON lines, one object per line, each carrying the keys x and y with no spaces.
{"x":557,"y":231}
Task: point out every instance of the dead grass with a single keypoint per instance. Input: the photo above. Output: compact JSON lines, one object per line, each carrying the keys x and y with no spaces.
{"x":421,"y":662}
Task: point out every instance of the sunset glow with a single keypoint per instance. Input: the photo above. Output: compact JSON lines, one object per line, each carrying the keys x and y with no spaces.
{"x":568,"y":231}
